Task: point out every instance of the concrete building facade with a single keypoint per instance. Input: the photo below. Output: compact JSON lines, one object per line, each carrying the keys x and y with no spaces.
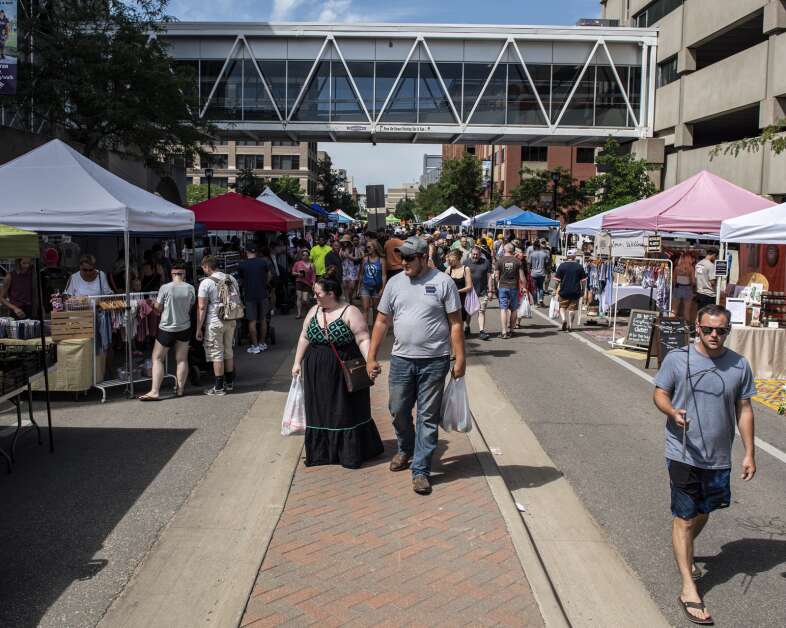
{"x":721,"y":77}
{"x":432,"y":170}
{"x":394,"y":195}
{"x":268,"y":160}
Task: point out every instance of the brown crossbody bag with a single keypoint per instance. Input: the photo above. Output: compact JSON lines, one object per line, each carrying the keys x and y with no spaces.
{"x":355,"y":374}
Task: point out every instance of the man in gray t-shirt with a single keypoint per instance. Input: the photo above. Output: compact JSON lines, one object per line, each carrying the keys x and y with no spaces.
{"x":704,"y":390}
{"x":539,"y":262}
{"x":424,"y":306}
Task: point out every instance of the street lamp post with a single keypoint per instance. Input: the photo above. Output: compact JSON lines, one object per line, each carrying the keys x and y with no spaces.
{"x":554,"y":184}
{"x":209,"y":176}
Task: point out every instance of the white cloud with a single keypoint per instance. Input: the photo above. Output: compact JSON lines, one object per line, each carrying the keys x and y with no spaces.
{"x":284,"y":10}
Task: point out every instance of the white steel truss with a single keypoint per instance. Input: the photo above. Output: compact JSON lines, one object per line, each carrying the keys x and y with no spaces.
{"x":373,"y":126}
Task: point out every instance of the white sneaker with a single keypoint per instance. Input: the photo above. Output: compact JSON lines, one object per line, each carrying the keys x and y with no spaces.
{"x":262,"y":347}
{"x":253,"y":349}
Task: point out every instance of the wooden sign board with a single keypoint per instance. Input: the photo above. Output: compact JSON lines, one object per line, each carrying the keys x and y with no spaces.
{"x":668,"y":334}
{"x":640,"y":325}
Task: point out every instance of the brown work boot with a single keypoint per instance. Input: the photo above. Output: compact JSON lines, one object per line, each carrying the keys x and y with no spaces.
{"x":421,"y":485}
{"x":399,"y":462}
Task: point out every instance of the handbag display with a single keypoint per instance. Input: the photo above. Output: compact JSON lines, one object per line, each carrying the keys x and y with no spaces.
{"x":355,"y":374}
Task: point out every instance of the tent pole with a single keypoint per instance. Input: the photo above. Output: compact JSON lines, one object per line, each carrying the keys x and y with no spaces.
{"x":193,"y":254}
{"x":43,"y":348}
{"x":129,"y":351}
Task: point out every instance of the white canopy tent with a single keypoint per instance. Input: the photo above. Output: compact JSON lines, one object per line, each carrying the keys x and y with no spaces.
{"x":475,"y":219}
{"x":490,"y":219}
{"x":273,"y":199}
{"x":53,"y":188}
{"x":766,"y":226}
{"x":589,"y":226}
{"x":450,"y":211}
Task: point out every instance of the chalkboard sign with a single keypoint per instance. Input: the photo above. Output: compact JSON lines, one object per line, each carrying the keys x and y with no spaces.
{"x":721,"y":268}
{"x":640,"y":325}
{"x":619,"y":267}
{"x":668,"y":334}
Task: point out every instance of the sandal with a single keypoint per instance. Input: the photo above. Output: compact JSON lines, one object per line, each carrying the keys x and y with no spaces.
{"x":698,"y":606}
{"x":147,"y":397}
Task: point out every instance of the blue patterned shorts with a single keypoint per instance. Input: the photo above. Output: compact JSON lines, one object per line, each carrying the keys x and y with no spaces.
{"x":695,"y":490}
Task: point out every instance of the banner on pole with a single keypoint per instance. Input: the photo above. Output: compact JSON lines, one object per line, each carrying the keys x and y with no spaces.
{"x":8,"y":47}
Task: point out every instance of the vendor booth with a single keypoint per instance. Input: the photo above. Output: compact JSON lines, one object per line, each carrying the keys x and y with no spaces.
{"x":56,"y":190}
{"x":22,"y":363}
{"x":451,"y":217}
{"x":489,"y":220}
{"x":758,"y":300}
{"x":236,"y":212}
{"x":529,"y":221}
{"x":271,"y":198}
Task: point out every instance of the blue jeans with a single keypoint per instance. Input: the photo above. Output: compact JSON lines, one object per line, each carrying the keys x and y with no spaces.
{"x":423,"y":381}
{"x":539,"y":283}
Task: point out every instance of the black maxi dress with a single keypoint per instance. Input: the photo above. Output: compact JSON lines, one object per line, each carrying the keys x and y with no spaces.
{"x":339,"y":426}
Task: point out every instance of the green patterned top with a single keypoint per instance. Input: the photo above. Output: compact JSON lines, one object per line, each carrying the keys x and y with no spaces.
{"x":340,"y":333}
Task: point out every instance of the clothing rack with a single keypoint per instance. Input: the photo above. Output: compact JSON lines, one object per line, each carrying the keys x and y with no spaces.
{"x":638,"y":262}
{"x":115,"y":302}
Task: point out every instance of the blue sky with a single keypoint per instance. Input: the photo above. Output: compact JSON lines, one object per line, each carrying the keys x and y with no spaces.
{"x":386,"y":163}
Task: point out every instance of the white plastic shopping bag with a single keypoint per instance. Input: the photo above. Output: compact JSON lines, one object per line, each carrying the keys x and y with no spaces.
{"x":554,"y":307}
{"x":294,"y":421}
{"x":456,"y":414}
{"x":471,"y":302}
{"x":525,"y":309}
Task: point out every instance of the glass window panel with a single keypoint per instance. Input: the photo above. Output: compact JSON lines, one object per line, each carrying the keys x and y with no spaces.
{"x":579,"y":111}
{"x":286,"y":162}
{"x":667,"y":72}
{"x":491,"y":108}
{"x":346,"y":107}
{"x":452,"y":76}
{"x":523,"y":107}
{"x":534,"y":153}
{"x":585,"y":155}
{"x":634,"y":92}
{"x":217,"y":161}
{"x":275,"y":73}
{"x":475,"y":75}
{"x":209,"y":71}
{"x":189,"y":70}
{"x":433,"y":105}
{"x":315,"y":104}
{"x":610,"y":108}
{"x":256,"y":103}
{"x":254,"y":162}
{"x":297,"y":71}
{"x":403,"y":105}
{"x":363,"y":73}
{"x":226,"y":102}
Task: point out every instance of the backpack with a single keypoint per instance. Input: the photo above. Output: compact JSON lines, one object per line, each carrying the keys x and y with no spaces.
{"x":230,"y":306}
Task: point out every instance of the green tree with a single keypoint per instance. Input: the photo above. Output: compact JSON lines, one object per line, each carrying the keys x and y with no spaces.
{"x":197,"y":192}
{"x":773,"y":136}
{"x":428,"y":200}
{"x":535,"y":184}
{"x":248,"y":184}
{"x":623,"y":179}
{"x":100,"y":80}
{"x":405,"y":209}
{"x":330,"y":186}
{"x":461,"y":184}
{"x":287,"y":185}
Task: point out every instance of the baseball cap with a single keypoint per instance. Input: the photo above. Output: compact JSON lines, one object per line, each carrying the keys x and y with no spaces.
{"x":413,"y":246}
{"x":572,"y":252}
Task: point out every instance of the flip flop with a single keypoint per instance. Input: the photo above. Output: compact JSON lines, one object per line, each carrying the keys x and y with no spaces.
{"x":698,"y":606}
{"x":148,"y":398}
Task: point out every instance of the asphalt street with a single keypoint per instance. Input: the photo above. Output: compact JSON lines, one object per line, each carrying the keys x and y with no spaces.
{"x":74,"y":525}
{"x":597,"y":422}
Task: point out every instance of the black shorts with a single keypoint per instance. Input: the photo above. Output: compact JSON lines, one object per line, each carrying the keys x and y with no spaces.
{"x":168,"y":338}
{"x":697,"y":491}
{"x":703,"y":299}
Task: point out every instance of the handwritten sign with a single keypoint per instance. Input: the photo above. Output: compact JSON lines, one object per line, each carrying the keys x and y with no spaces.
{"x":640,"y":326}
{"x":721,"y":268}
{"x":619,"y":267}
{"x":668,"y":334}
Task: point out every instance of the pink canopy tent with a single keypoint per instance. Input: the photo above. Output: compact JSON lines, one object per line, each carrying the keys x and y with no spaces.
{"x":697,"y":205}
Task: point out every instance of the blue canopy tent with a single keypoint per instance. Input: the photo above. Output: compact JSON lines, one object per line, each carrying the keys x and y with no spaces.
{"x":529,"y":220}
{"x":318,"y":209}
{"x":340,"y":218}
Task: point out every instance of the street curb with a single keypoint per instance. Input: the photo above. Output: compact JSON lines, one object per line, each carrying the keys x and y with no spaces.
{"x":577,"y":576}
{"x":203,"y":567}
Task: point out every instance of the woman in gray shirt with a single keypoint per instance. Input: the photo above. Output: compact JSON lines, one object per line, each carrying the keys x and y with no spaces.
{"x":175,"y":300}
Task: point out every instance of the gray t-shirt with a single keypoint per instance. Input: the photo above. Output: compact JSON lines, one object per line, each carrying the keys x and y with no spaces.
{"x":705,"y":277}
{"x":176,"y":300}
{"x":711,"y":404}
{"x":539,"y":263}
{"x":420,"y":309}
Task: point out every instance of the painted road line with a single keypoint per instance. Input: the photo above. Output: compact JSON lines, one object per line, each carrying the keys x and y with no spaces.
{"x":761,"y":444}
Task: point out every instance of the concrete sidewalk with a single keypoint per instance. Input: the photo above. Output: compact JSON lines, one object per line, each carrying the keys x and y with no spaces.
{"x":359,"y":547}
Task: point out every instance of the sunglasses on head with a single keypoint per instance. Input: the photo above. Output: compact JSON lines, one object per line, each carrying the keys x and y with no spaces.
{"x":707,"y":331}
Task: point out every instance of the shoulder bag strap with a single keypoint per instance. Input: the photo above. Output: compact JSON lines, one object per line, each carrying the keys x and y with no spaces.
{"x":330,"y":342}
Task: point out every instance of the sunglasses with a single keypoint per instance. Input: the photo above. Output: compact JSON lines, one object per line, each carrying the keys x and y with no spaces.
{"x":408,"y":258}
{"x":88,"y":270}
{"x":178,"y":272}
{"x":707,"y":331}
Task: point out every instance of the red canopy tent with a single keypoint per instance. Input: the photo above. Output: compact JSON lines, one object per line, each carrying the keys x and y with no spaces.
{"x":235,"y":212}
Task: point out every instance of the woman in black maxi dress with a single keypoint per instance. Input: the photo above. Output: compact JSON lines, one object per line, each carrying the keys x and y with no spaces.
{"x":339,"y":426}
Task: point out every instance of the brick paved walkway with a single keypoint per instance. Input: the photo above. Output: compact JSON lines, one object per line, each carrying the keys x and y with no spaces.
{"x":361,"y":548}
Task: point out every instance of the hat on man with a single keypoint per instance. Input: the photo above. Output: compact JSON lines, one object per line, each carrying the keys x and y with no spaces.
{"x":413,"y":246}
{"x":571,"y":252}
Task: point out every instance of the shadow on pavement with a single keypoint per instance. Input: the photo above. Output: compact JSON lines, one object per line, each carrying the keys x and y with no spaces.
{"x":515,"y":476}
{"x":748,"y":557}
{"x":58,"y":509}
